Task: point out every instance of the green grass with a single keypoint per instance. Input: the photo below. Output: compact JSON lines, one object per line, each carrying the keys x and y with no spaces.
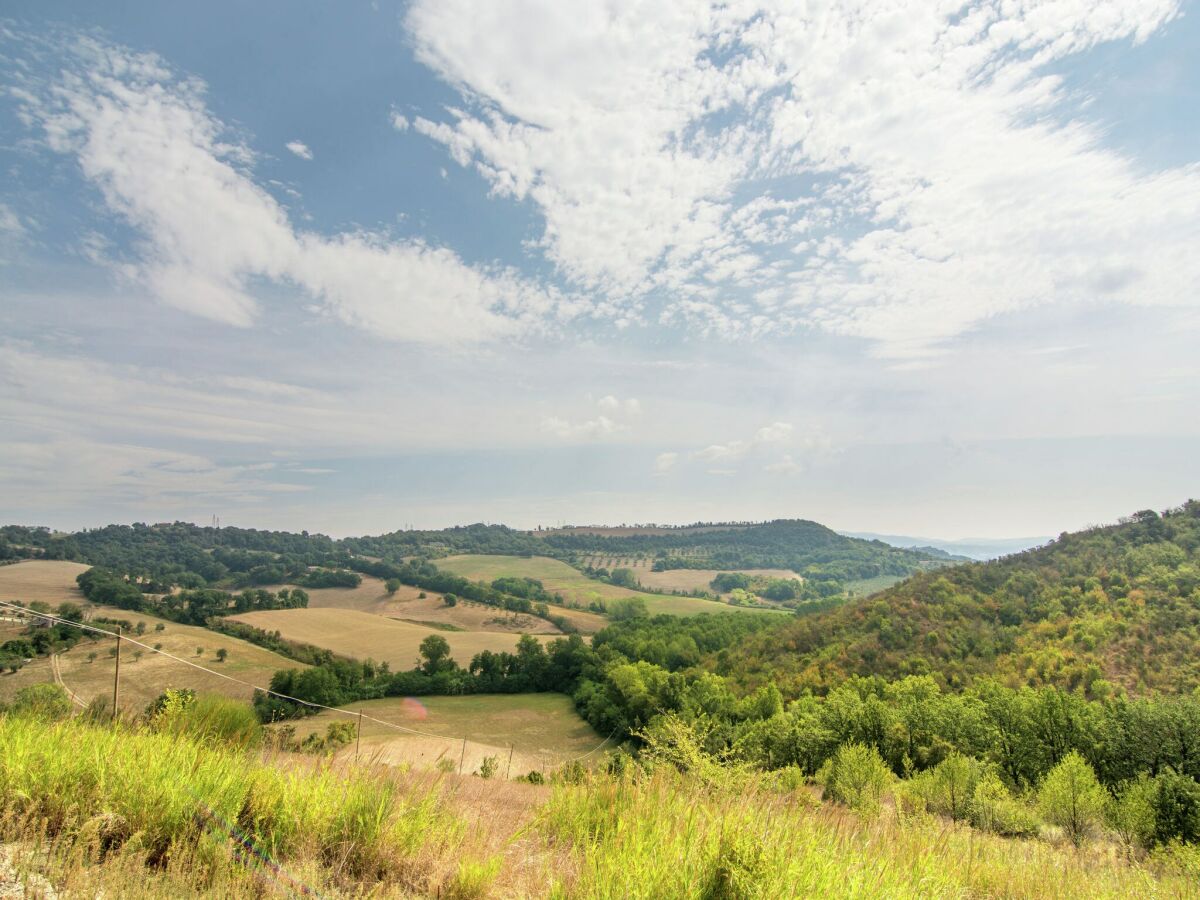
{"x":128,"y":812}
{"x":560,"y":578}
{"x":865,"y":586}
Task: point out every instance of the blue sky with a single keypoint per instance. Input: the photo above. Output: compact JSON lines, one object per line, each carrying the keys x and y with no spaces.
{"x":898,"y":267}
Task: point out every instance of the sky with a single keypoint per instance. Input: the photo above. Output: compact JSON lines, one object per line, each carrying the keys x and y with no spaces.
{"x":918,"y":267}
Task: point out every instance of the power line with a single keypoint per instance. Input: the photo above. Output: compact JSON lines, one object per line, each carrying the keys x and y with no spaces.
{"x":187,"y":662}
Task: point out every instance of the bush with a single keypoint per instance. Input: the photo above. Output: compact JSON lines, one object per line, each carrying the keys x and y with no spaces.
{"x":856,"y":776}
{"x":487,"y":768}
{"x":1176,"y":809}
{"x":1131,"y":815}
{"x":949,"y":787}
{"x":994,"y":809}
{"x":534,"y":777}
{"x":1072,"y":798}
{"x":48,"y":702}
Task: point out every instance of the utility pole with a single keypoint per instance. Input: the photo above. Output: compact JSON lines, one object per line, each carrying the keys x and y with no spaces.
{"x":358,"y":738}
{"x":508,"y":771}
{"x":117,"y":676}
{"x":463,"y":757}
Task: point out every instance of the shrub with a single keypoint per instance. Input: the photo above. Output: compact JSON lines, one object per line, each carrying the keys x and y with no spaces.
{"x":856,"y":776}
{"x":48,"y":702}
{"x":534,"y":777}
{"x":1131,"y":814}
{"x":446,"y":765}
{"x":994,"y":809}
{"x":487,"y":768}
{"x":339,"y":734}
{"x":1072,"y":798}
{"x":949,"y":787}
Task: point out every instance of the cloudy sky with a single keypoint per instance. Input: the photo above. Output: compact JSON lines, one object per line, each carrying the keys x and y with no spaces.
{"x":912,"y":267}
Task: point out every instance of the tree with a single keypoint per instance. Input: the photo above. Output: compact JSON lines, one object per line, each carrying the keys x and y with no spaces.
{"x":160,"y":627}
{"x":43,"y":701}
{"x":1131,"y":814}
{"x":199,"y":651}
{"x":1072,"y":798}
{"x":435,"y":650}
{"x":222,"y":654}
{"x":392,"y":585}
{"x":1176,"y":809}
{"x":450,"y":599}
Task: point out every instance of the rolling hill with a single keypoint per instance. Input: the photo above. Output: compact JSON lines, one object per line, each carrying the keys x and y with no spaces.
{"x":1115,"y":606}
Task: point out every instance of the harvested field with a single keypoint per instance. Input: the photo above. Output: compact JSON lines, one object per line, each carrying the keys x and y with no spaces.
{"x":366,"y":636}
{"x":372,"y":597}
{"x":50,"y":581}
{"x":543,"y":729}
{"x":144,"y":674}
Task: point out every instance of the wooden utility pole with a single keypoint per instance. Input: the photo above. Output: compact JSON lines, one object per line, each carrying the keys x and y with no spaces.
{"x":117,"y":676}
{"x":358,"y":739}
{"x":463,"y":757}
{"x":508,"y":771}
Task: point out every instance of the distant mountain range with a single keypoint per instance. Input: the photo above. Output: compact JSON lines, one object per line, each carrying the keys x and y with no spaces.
{"x":971,"y":548}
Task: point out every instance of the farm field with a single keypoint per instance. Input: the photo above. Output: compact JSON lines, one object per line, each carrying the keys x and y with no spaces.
{"x":558,"y":577}
{"x":144,"y":674}
{"x":366,"y":636}
{"x":692,"y":579}
{"x":371,"y":597}
{"x":865,"y":586}
{"x":50,"y":581}
{"x":543,"y":729}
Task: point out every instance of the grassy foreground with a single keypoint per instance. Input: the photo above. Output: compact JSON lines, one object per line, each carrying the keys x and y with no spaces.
{"x":131,"y":812}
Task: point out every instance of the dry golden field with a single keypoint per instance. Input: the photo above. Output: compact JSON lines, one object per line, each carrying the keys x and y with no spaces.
{"x":543,"y":731}
{"x":145,"y":674}
{"x":371,"y":597}
{"x":367,"y":636}
{"x":50,"y":581}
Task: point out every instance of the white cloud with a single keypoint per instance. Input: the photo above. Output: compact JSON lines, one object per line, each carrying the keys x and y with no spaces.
{"x":898,"y":171}
{"x":164,"y":164}
{"x":785,"y":465}
{"x":609,"y":403}
{"x":400,"y":122}
{"x":773,"y":433}
{"x":717,"y":452}
{"x":299,"y":149}
{"x":665,"y":462}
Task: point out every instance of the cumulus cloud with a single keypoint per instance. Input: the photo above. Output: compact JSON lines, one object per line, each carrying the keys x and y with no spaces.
{"x":614,"y":417}
{"x":300,"y":149}
{"x":163,"y":163}
{"x":898,"y":171}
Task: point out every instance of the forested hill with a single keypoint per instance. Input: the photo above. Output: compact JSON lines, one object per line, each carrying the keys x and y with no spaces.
{"x":1106,"y":607}
{"x":805,"y":547}
{"x":797,"y":544}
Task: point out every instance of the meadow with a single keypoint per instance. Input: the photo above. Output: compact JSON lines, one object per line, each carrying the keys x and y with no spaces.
{"x":365,"y":636}
{"x":575,"y":587}
{"x":102,"y":810}
{"x":699,"y":579}
{"x":542,"y":730}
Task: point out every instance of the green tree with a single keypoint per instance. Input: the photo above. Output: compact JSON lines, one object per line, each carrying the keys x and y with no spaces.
{"x":435,"y":651}
{"x":450,"y":599}
{"x":1176,"y":809}
{"x":43,"y":701}
{"x":222,"y":654}
{"x":1072,"y":798}
{"x":392,"y":585}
